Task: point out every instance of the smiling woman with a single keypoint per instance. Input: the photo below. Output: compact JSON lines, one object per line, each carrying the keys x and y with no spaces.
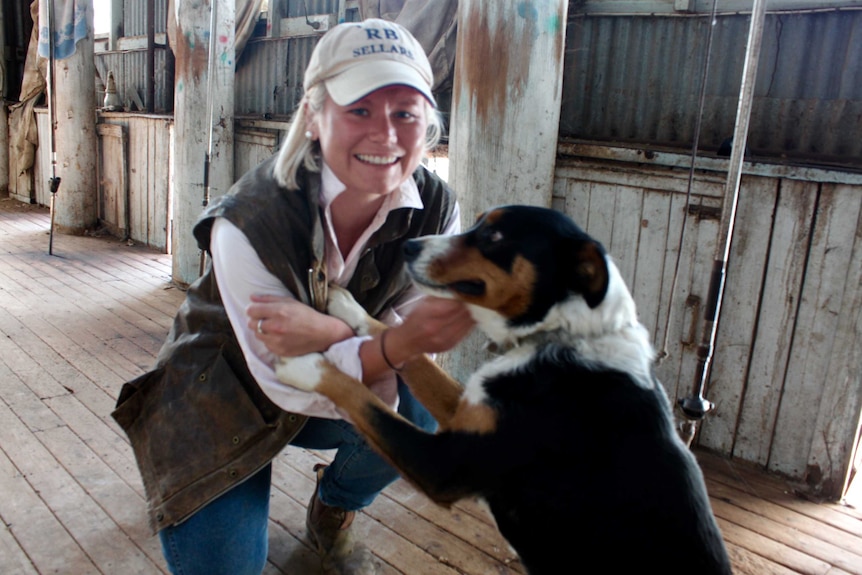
{"x":348,"y":185}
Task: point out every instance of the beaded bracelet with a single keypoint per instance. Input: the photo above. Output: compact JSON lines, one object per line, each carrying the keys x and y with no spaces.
{"x":383,"y":352}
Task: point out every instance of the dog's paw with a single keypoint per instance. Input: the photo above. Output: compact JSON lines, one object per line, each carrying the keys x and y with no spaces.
{"x":341,"y":304}
{"x":302,"y":372}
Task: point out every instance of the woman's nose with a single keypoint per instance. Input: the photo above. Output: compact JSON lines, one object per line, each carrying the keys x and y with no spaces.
{"x":383,"y":129}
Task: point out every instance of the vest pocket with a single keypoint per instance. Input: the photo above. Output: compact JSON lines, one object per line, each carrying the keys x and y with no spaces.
{"x":185,"y":425}
{"x":132,"y":396}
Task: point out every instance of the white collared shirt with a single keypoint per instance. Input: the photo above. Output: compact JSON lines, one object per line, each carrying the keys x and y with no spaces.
{"x":241,"y":273}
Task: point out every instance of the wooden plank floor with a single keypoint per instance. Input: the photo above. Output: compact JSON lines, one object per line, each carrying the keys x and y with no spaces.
{"x":76,"y":324}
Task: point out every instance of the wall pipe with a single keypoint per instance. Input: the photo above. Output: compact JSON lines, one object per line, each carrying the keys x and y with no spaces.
{"x":696,"y":405}
{"x":53,"y":181}
{"x":151,"y":56}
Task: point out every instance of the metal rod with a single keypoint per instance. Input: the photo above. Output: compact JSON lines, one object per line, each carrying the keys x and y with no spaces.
{"x":151,"y":57}
{"x":54,"y":181}
{"x":695,"y":407}
{"x":694,"y":147}
{"x":209,"y":112}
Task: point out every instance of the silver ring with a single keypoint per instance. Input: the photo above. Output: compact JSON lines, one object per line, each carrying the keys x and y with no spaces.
{"x":260,"y":326}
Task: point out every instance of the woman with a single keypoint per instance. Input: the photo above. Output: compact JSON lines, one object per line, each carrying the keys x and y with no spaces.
{"x":335,"y":205}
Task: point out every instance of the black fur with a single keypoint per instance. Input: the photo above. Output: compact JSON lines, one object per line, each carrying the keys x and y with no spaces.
{"x":583,"y":469}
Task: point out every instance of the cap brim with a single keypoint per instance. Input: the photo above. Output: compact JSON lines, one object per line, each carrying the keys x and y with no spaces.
{"x":360,"y":80}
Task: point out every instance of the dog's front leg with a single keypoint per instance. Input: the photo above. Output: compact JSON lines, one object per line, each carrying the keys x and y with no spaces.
{"x":424,"y":458}
{"x":314,"y":373}
{"x":430,"y":384}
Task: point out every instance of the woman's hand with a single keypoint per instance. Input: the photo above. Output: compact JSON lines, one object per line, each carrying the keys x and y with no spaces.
{"x":289,"y":328}
{"x":435,"y":325}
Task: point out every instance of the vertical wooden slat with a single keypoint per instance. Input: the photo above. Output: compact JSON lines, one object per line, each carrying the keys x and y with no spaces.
{"x":113,"y":182}
{"x":650,"y":263}
{"x":624,"y":244}
{"x":814,"y":342}
{"x":785,"y":267}
{"x":838,"y":416}
{"x":735,"y":339}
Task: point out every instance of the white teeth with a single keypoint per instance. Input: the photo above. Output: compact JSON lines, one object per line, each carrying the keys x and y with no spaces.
{"x":379,"y":160}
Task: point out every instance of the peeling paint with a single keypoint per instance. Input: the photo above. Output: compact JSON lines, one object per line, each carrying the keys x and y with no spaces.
{"x":492,"y":75}
{"x":191,"y":58}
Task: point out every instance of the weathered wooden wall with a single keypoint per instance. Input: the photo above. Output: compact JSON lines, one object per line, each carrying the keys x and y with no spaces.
{"x":254,"y":142}
{"x":42,"y":167}
{"x":135,"y":184}
{"x":787,"y":369}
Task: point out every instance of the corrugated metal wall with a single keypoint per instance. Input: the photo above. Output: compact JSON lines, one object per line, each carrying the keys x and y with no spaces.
{"x":631,"y":79}
{"x":269,"y":75}
{"x":635,"y":79}
{"x":135,"y":17}
{"x":130,"y":66}
{"x":130,"y":72}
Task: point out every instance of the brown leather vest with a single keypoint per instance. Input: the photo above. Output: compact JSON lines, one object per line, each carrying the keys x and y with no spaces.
{"x":198,"y":422}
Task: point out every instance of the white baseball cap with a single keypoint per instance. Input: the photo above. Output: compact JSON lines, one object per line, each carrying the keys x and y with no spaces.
{"x":354,"y":59}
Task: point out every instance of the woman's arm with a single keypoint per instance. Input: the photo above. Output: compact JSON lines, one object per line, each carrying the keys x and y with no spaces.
{"x":433,"y":325}
{"x":240,"y":274}
{"x":422,"y":324}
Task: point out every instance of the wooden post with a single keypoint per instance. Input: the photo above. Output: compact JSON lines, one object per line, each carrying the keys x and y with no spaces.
{"x":76,"y":202}
{"x":194,"y":94}
{"x":4,"y":113}
{"x":505,"y":115}
{"x":151,"y":57}
{"x":506,"y":102}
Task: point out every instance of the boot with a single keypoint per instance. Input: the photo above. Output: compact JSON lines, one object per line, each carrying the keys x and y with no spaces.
{"x":329,"y":530}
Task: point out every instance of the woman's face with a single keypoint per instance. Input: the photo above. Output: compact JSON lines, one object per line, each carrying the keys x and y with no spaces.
{"x":376,"y":143}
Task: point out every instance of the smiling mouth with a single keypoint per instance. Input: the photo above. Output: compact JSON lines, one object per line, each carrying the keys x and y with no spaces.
{"x":377,"y":160}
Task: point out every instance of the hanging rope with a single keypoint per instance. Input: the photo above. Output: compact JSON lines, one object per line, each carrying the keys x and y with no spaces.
{"x":663,"y":353}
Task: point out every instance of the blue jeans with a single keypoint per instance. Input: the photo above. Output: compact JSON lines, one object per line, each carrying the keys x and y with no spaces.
{"x":229,"y":535}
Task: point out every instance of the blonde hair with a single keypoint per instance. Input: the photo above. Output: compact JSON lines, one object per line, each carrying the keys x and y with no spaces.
{"x":298,"y":150}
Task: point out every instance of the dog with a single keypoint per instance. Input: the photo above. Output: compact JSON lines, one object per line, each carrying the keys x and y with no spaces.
{"x":566,"y":435}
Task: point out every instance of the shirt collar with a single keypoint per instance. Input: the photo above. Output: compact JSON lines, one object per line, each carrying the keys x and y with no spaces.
{"x":406,"y":196}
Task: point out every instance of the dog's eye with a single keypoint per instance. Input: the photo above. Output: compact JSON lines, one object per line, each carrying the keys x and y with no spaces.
{"x":487,"y":236}
{"x":491,"y":235}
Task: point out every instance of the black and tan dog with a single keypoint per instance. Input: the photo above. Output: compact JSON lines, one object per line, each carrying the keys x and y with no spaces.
{"x":567,"y":436}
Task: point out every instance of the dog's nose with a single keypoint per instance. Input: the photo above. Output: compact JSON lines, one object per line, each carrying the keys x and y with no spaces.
{"x":412,"y":249}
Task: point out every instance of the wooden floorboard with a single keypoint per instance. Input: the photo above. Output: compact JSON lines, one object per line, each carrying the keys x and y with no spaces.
{"x":76,"y":324}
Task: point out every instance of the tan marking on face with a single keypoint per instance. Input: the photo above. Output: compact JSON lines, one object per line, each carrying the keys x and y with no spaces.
{"x":492,"y":216}
{"x":509,"y":294}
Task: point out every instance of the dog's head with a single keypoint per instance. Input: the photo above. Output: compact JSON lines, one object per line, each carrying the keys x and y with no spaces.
{"x":516,"y":265}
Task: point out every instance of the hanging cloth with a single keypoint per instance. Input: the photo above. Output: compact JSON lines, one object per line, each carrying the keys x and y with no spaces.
{"x":70,"y":25}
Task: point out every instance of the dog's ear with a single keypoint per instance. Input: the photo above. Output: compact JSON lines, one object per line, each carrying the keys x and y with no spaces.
{"x":589,"y":276}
